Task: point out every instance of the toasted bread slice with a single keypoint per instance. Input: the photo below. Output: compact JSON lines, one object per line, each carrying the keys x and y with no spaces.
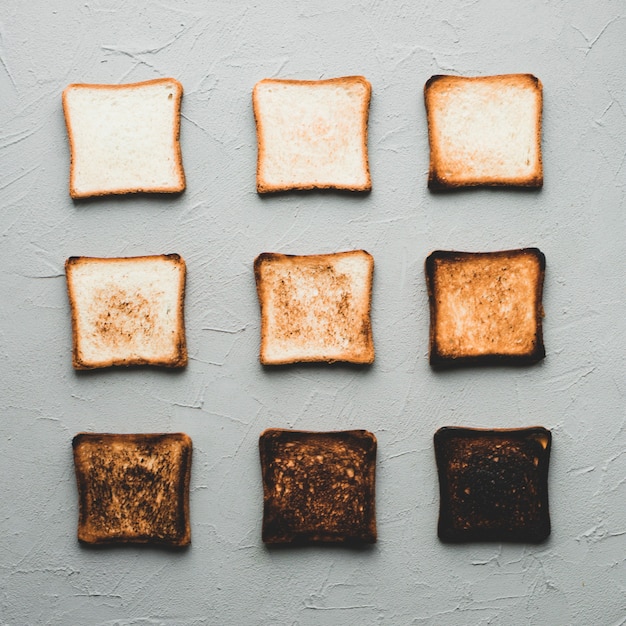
{"x":133,"y":488}
{"x":315,"y":308}
{"x":127,"y":311}
{"x":485,"y":308}
{"x":484,"y":131}
{"x":493,"y":484}
{"x":312,"y":134}
{"x":124,"y":138}
{"x":318,"y":486}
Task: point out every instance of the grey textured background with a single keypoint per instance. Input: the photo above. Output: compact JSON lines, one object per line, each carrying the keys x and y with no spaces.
{"x":224,"y":399}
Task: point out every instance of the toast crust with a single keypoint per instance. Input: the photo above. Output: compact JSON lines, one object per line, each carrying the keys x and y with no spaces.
{"x":315,"y":308}
{"x":318,"y":136}
{"x":485,"y":307}
{"x":117,"y":319}
{"x":463,"y":153}
{"x":493,"y":484}
{"x":133,"y":488}
{"x":318,"y":487}
{"x":175,"y":187}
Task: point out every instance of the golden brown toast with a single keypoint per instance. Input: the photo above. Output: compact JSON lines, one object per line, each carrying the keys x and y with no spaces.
{"x":485,"y":308}
{"x":133,"y":488}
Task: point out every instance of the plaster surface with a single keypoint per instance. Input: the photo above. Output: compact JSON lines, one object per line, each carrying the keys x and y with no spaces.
{"x":224,"y":399}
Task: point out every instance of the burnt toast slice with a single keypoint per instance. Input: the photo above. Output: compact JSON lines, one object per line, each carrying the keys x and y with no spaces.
{"x":133,"y":488}
{"x":493,"y":484}
{"x":318,"y":487}
{"x":485,"y":307}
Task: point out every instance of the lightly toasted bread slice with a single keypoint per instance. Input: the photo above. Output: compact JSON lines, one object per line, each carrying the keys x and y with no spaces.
{"x":493,"y":484}
{"x":312,"y":134}
{"x":124,"y":138}
{"x":484,"y":131}
{"x":318,"y":486}
{"x":315,"y":308}
{"x":127,"y":311}
{"x":133,"y":488}
{"x":485,"y":307}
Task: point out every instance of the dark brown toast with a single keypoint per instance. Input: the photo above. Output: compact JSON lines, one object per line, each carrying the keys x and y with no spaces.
{"x":493,"y":484}
{"x":133,"y":488}
{"x":127,"y":311}
{"x":484,"y":131}
{"x":485,"y":307}
{"x":318,"y":487}
{"x":315,"y":308}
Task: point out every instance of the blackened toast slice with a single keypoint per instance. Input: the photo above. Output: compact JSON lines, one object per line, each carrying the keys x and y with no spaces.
{"x":318,"y":486}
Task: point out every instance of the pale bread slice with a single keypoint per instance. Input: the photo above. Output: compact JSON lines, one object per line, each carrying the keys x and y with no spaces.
{"x":124,"y":138}
{"x":484,"y":131}
{"x":127,"y":311}
{"x":485,"y":308}
{"x":133,"y":488}
{"x":315,"y":308}
{"x":312,"y":134}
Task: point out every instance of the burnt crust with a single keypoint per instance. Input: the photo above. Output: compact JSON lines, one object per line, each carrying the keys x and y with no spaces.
{"x":493,"y":484}
{"x":318,"y":487}
{"x":133,"y":488}
{"x":441,"y":360}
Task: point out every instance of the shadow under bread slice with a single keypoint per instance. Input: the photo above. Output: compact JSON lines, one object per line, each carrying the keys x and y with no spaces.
{"x":493,"y":484}
{"x":318,"y":486}
{"x":133,"y":488}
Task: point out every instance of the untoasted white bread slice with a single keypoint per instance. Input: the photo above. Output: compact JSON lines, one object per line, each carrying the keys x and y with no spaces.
{"x":312,"y":134}
{"x":124,"y":138}
{"x":127,"y":311}
{"x":484,"y":131}
{"x":315,"y":308}
{"x":485,"y":307}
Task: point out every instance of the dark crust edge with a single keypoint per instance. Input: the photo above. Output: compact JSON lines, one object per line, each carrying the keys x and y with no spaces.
{"x":176,"y":129}
{"x":183,"y":537}
{"x":263,"y":187}
{"x":440,"y":361}
{"x":260,"y":286}
{"x":437,"y":183}
{"x":445,"y":530}
{"x":180,"y":358}
{"x":266,"y":441}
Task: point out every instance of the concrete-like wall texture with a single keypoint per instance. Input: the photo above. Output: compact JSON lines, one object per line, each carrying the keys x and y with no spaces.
{"x":224,"y":399}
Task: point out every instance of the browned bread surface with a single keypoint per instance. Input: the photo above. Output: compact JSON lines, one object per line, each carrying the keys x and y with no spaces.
{"x":133,"y":488}
{"x":315,"y":308}
{"x":124,"y":138}
{"x":484,"y":131}
{"x":485,"y":308}
{"x":312,"y":134}
{"x":493,"y":484}
{"x":127,"y":311}
{"x":318,"y":486}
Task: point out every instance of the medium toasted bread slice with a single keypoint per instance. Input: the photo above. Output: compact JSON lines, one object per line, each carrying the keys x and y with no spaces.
{"x":485,"y":308}
{"x":484,"y":131}
{"x":493,"y":484}
{"x":127,"y":311}
{"x":315,"y":308}
{"x":133,"y":488}
{"x":318,"y":486}
{"x":124,"y":138}
{"x":312,"y":134}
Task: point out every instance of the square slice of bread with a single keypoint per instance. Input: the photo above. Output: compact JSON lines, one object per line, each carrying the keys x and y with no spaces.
{"x":318,"y":486}
{"x":485,"y":308}
{"x":124,"y":138}
{"x":493,"y":484}
{"x":133,"y":488}
{"x":127,"y":311}
{"x":312,"y":134}
{"x":484,"y":131}
{"x":315,"y":308}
